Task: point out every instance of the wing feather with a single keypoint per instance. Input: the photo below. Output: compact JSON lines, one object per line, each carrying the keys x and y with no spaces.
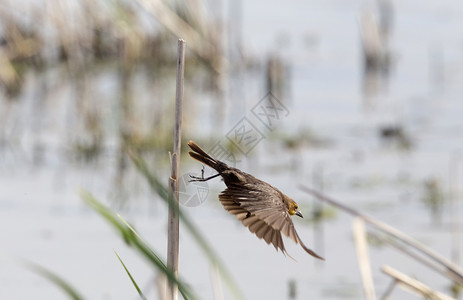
{"x":267,"y":217}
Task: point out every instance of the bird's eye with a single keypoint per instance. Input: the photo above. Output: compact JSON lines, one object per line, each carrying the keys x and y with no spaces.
{"x":295,"y":207}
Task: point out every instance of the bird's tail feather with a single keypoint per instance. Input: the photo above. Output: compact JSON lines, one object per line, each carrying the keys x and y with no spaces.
{"x":200,"y":155}
{"x":309,"y":251}
{"x":198,"y":149}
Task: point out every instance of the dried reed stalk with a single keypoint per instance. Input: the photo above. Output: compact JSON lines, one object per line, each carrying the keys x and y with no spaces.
{"x":173,"y":223}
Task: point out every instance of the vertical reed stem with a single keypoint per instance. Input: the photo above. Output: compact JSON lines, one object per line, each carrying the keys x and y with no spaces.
{"x":173,"y":224}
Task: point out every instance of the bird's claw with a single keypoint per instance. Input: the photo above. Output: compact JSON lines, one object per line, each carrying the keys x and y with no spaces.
{"x":195,"y":178}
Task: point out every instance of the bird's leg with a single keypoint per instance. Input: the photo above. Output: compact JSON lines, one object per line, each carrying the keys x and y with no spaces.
{"x":196,"y":178}
{"x":202,"y":175}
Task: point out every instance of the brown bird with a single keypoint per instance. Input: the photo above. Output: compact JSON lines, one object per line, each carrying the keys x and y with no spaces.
{"x":259,"y":206}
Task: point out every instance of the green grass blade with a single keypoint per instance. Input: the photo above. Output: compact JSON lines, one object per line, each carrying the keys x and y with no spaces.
{"x":133,"y":239}
{"x":167,"y":196}
{"x":131,"y":278}
{"x":54,"y":278}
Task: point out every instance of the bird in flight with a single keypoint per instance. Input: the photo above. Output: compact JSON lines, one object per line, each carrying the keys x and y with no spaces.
{"x":258,"y":205}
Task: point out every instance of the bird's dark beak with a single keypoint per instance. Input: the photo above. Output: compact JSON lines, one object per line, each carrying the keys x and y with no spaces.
{"x":299,"y":214}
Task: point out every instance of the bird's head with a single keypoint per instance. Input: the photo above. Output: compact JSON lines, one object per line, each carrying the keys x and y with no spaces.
{"x":293,"y":208}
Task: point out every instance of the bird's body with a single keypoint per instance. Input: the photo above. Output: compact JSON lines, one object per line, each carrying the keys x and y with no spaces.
{"x":258,"y":205}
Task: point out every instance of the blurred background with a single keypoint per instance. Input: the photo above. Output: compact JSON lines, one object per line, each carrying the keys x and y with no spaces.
{"x":370,"y":95}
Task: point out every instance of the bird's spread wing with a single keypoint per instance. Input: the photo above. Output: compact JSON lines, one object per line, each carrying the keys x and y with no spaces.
{"x":267,"y":217}
{"x":257,"y":226}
